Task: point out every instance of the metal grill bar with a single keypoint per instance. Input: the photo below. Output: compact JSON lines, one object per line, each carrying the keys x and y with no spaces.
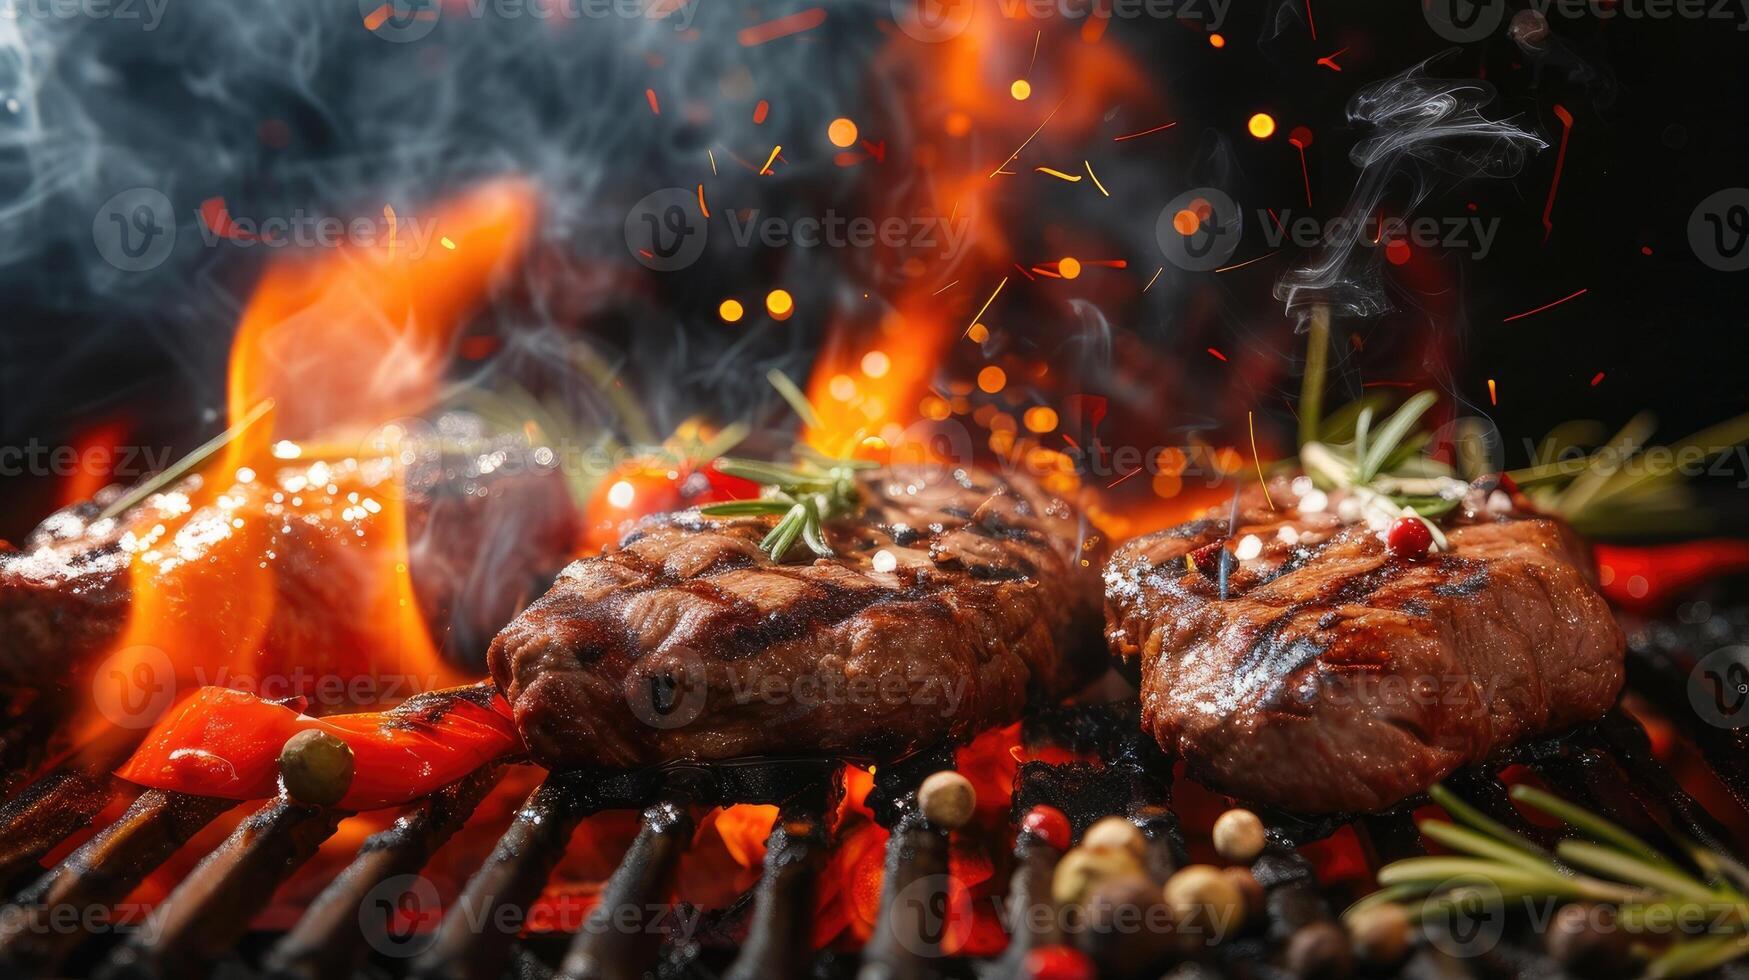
{"x":618,"y":939}
{"x":211,"y":908}
{"x":779,"y":940}
{"x":60,"y":804}
{"x":334,"y":933}
{"x":912,"y":921}
{"x":100,"y":873}
{"x":469,"y":942}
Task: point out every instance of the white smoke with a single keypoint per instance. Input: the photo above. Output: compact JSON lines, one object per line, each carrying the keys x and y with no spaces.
{"x":1427,"y":132}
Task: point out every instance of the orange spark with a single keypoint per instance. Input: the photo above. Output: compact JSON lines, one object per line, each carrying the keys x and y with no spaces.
{"x":1095,"y":177}
{"x":768,"y":160}
{"x":771,"y":30}
{"x":1563,"y":299}
{"x":1146,"y":132}
{"x":986,"y":306}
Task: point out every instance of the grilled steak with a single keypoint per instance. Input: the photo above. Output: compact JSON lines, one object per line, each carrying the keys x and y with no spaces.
{"x":66,"y":592}
{"x":946,"y":608}
{"x":1331,"y":676}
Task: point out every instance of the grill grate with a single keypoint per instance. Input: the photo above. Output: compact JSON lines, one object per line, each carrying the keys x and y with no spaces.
{"x":1607,"y":766}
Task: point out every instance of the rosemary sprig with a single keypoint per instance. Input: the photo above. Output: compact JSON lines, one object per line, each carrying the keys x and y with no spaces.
{"x":1611,"y":866}
{"x":1381,"y":470}
{"x":1620,"y":489}
{"x":806,"y":495}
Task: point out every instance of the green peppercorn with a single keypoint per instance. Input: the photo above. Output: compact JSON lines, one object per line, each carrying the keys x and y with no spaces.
{"x":315,"y":767}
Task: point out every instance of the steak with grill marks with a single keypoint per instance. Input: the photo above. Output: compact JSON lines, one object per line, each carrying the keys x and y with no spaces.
{"x":1328,"y":675}
{"x":950,"y":603}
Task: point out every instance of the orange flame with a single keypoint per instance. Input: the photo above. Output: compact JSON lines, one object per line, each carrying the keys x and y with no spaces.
{"x":283,"y":568}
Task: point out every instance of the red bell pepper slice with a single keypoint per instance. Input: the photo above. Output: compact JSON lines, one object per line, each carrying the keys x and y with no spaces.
{"x":225,"y":743}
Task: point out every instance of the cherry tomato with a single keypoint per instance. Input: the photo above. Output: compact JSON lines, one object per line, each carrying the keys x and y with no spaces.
{"x":1408,"y":537}
{"x":1057,"y":963}
{"x":654,"y":486}
{"x":1048,"y":824}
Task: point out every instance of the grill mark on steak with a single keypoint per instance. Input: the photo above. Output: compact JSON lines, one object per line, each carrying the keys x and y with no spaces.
{"x":982,"y":612}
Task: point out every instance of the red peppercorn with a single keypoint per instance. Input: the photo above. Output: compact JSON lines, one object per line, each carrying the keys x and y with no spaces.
{"x":1057,"y":963}
{"x":1408,"y":537}
{"x":1048,"y":824}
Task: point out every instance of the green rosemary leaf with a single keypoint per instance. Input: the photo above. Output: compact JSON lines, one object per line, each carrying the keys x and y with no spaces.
{"x":1697,"y":956}
{"x":747,"y":508}
{"x":812,"y":535}
{"x":770,"y":474}
{"x":1481,"y":845}
{"x":1362,"y":429}
{"x":1464,"y":813}
{"x":1588,"y":823}
{"x":1392,"y":433}
{"x":1317,"y":364}
{"x":777,"y":541}
{"x":825,"y":461}
{"x":1609,"y":861}
{"x":804,"y":409}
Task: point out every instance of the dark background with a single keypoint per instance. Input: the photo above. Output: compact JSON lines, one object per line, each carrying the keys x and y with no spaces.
{"x":299,"y":106}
